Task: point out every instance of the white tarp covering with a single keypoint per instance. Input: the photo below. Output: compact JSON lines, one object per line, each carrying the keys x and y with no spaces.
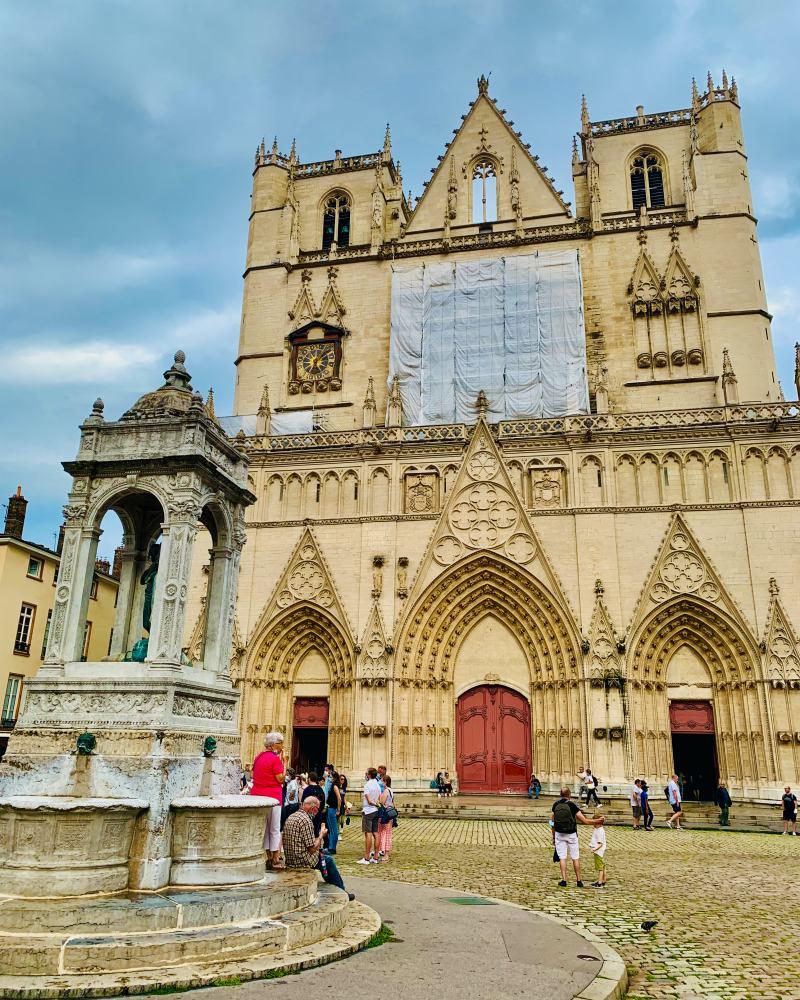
{"x":512,"y":326}
{"x":292,"y":422}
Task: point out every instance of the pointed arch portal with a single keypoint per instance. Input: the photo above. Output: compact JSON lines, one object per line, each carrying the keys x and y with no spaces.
{"x":493,"y":740}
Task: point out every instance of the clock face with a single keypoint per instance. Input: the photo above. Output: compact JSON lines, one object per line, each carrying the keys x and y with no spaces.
{"x":316,"y":361}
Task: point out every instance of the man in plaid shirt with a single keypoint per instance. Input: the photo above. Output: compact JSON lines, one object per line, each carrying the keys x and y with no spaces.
{"x":303,"y":850}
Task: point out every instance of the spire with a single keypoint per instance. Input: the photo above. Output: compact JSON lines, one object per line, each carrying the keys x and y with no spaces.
{"x":695,"y":95}
{"x":730,"y":385}
{"x":584,"y":115}
{"x":293,"y":152}
{"x":797,"y":369}
{"x":261,"y":154}
{"x":734,"y":90}
{"x":387,"y":143}
{"x":710,"y":84}
{"x":575,"y":158}
{"x":273,"y":153}
{"x":210,"y":404}
{"x":483,"y":85}
{"x":369,"y":404}
{"x":394,"y":405}
{"x":263,"y":417}
{"x":724,"y":80}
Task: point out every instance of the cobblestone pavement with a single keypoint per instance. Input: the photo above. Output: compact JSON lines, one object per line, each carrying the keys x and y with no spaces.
{"x":726,"y":903}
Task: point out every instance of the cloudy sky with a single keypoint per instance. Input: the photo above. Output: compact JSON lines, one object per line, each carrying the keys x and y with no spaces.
{"x":127,"y":135}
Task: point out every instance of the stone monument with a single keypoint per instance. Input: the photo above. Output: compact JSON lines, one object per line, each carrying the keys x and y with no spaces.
{"x":120,"y":787}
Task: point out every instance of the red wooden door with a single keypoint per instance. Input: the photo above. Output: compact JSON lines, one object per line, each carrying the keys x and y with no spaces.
{"x":493,"y":740}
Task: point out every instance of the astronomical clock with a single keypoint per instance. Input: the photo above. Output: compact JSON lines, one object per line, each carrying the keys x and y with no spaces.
{"x":315,"y":358}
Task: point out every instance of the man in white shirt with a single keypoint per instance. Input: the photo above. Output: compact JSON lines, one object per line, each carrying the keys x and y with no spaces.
{"x":369,"y":817}
{"x":674,"y":796}
{"x":636,"y":803}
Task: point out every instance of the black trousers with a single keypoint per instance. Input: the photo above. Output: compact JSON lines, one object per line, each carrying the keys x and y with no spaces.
{"x":591,"y":793}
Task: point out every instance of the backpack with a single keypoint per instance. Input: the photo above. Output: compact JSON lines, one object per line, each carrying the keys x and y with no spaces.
{"x":666,"y":792}
{"x":563,"y":818}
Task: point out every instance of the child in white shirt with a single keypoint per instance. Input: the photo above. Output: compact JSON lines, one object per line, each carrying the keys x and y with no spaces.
{"x":597,"y":845}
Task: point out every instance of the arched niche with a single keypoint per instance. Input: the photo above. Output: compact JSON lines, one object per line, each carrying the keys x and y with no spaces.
{"x":507,"y":659}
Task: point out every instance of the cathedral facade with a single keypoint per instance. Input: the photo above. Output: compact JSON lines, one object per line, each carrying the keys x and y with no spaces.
{"x":527,"y":482}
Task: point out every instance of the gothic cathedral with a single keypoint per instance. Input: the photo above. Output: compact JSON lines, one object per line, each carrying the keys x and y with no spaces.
{"x":527,"y":483}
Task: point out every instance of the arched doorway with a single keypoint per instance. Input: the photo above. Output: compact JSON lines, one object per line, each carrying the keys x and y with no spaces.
{"x":493,"y":740}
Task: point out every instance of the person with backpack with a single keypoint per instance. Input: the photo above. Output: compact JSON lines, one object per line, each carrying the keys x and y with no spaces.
{"x":565,"y":817}
{"x":789,"y":803}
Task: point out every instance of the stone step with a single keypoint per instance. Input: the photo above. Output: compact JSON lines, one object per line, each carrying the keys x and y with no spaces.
{"x":165,"y":909}
{"x":353,"y":932}
{"x":78,"y":954}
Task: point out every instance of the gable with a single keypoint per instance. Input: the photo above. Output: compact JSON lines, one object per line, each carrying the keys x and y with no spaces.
{"x":306,"y":579}
{"x":483,"y":512}
{"x":486,"y":134}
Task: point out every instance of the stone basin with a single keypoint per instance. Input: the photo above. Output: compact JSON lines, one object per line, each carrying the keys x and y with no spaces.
{"x":218,"y":840}
{"x":60,"y":846}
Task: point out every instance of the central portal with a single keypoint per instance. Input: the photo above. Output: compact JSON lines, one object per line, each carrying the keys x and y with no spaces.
{"x":493,"y":740}
{"x":310,"y":734}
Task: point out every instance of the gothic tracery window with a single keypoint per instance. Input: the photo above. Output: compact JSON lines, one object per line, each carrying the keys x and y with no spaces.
{"x":336,"y":221}
{"x":484,"y":191}
{"x":647,"y":180}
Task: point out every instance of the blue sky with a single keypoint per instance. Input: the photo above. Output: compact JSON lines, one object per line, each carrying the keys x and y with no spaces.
{"x":128,"y":129}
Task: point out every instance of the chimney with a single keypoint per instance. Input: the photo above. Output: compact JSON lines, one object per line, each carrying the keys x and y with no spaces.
{"x":60,"y":542}
{"x":15,"y":514}
{"x":102,"y":566}
{"x":116,"y":569}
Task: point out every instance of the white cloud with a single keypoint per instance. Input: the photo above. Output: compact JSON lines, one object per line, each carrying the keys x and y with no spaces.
{"x":206,"y":327}
{"x":92,"y":362}
{"x":69,"y":275}
{"x":775,"y":195}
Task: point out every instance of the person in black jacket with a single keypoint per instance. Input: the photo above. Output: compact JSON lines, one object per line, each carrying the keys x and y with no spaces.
{"x":314,"y":788}
{"x":723,"y":800}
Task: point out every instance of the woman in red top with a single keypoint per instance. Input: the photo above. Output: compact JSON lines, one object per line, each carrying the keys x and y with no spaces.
{"x":268,"y":774}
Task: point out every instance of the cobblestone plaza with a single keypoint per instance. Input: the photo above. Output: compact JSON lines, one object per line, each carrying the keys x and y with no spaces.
{"x":728,"y":922}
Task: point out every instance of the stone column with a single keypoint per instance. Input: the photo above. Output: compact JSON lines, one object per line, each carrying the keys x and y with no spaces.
{"x":132,"y":561}
{"x":169,"y":600}
{"x":219,"y":620}
{"x":73,"y":586}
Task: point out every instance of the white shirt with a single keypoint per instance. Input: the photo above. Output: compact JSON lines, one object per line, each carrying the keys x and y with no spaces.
{"x":372,"y":791}
{"x":597,"y":845}
{"x":292,"y":791}
{"x":674,"y":792}
{"x":636,"y":796}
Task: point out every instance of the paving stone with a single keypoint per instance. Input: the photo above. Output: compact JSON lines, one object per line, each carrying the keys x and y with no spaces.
{"x":727,"y":927}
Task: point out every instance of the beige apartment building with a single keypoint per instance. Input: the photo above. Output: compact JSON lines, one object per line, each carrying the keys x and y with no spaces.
{"x":27,"y":589}
{"x":527,"y":482}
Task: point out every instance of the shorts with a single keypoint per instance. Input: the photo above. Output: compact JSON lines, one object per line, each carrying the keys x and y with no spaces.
{"x":676,"y":807}
{"x":789,"y":817}
{"x":599,"y":863}
{"x":567,"y":844}
{"x":637,"y":813}
{"x":369,"y":822}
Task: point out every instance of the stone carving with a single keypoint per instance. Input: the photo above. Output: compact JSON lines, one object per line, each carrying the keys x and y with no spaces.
{"x":377,"y":576}
{"x":203,"y":708}
{"x":76,"y":705}
{"x":402,"y":577}
{"x":547,"y":487}
{"x":421,"y":493}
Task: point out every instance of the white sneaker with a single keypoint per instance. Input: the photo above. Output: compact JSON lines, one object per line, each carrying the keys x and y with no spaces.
{"x":373,"y":861}
{"x":362,"y":861}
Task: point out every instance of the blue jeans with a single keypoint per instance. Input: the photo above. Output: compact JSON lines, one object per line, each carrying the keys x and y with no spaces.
{"x":332,"y":823}
{"x":332,"y":874}
{"x":533,"y":793}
